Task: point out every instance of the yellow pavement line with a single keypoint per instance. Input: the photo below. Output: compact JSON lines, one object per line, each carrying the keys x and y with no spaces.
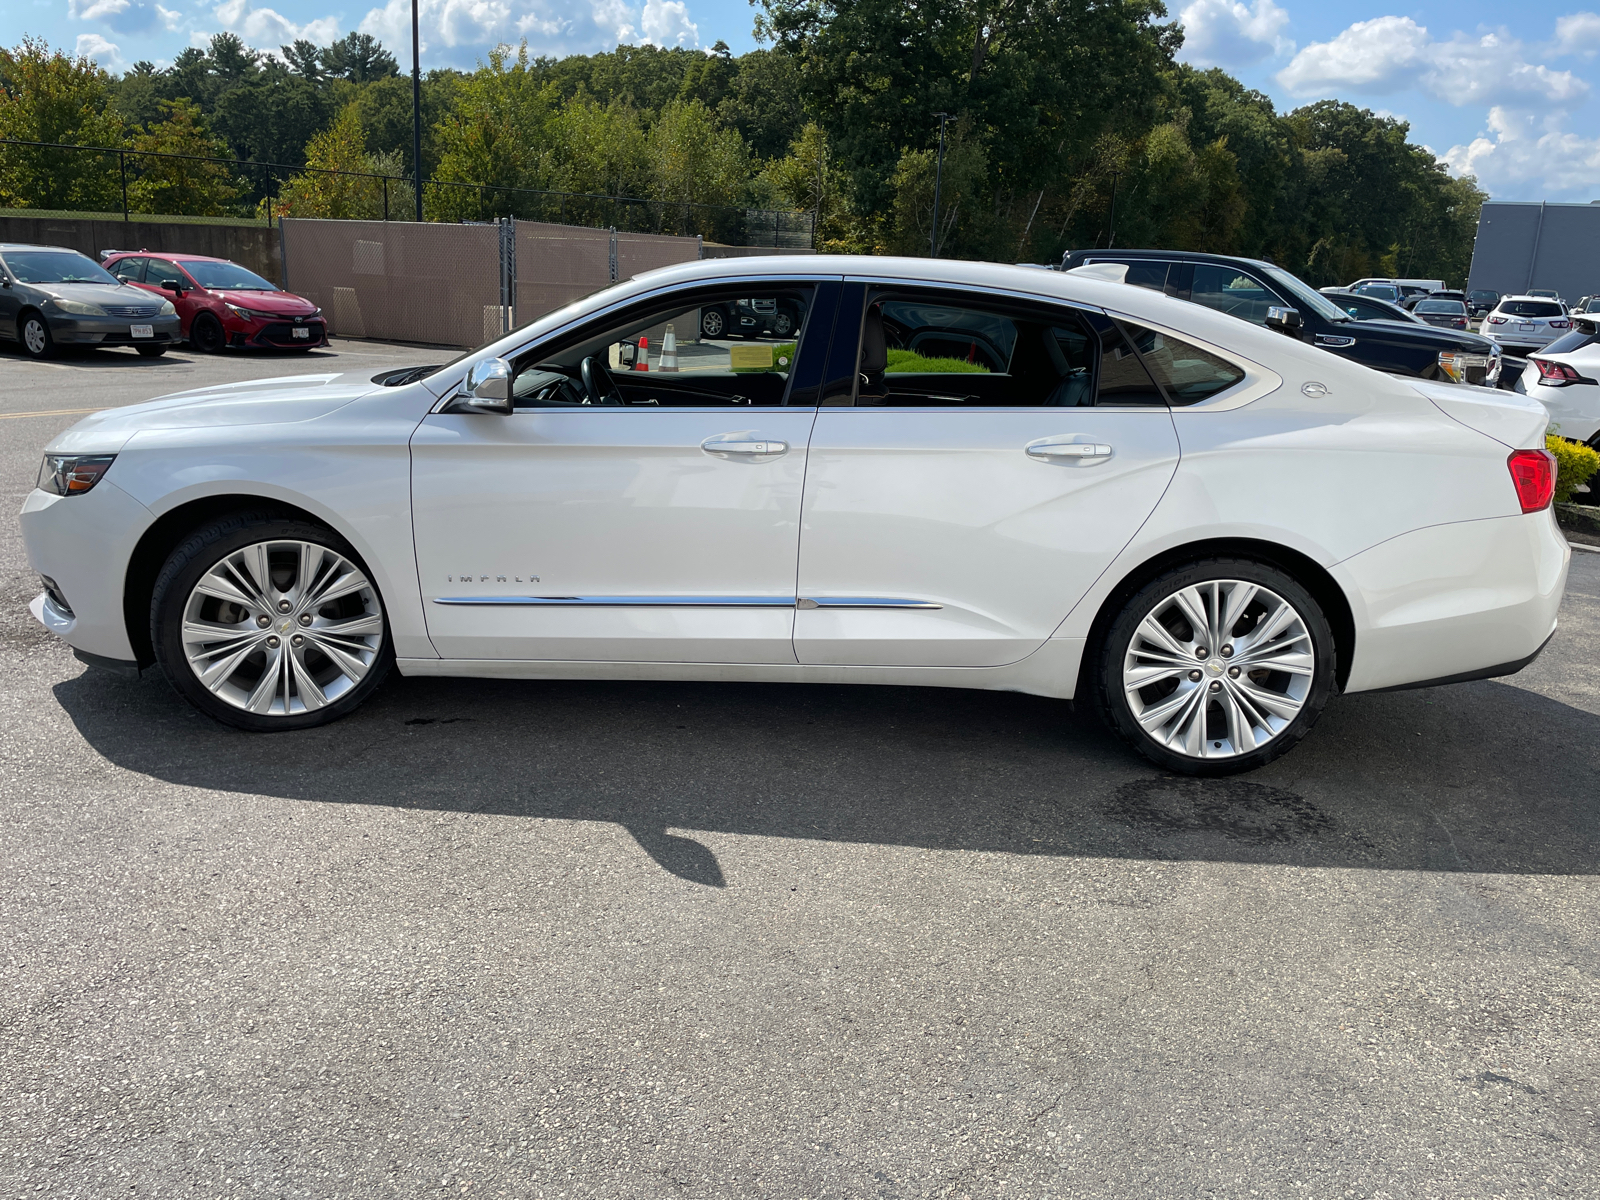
{"x":48,"y":412}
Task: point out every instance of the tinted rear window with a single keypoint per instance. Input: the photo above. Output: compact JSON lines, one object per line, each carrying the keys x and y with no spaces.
{"x":1530,"y":308}
{"x":1453,"y":307}
{"x":1568,"y":342}
{"x":1188,"y":373}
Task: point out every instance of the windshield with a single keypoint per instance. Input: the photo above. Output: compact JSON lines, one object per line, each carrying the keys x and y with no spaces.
{"x":1303,"y":293}
{"x":56,"y":266}
{"x":1491,"y":296}
{"x":226,"y":275}
{"x":1454,"y":307}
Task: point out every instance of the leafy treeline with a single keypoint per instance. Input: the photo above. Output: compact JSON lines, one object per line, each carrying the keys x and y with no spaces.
{"x":1054,"y":106}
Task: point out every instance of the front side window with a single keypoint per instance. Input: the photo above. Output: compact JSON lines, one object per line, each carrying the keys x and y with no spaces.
{"x":1231,"y":291}
{"x":1187,"y":373}
{"x":163,"y":274}
{"x":55,"y":266}
{"x":722,"y":350}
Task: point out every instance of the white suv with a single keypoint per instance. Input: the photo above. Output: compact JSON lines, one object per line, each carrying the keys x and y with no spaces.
{"x":1526,"y":322}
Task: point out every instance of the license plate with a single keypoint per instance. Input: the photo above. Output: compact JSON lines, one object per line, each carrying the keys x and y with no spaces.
{"x":1527,"y":328}
{"x":302,"y":332}
{"x":142,"y":330}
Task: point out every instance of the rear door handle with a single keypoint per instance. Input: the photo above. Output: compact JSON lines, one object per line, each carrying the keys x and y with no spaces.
{"x":744,"y":445}
{"x":1063,"y":451}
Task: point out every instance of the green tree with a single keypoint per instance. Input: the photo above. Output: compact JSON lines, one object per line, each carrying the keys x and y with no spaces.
{"x":46,"y":96}
{"x":765,"y":102}
{"x":962,"y":187}
{"x":358,"y":57}
{"x":693,"y":160}
{"x":180,"y":186}
{"x":602,"y":148}
{"x":808,"y":180}
{"x":269,"y":115}
{"x":354,"y":196}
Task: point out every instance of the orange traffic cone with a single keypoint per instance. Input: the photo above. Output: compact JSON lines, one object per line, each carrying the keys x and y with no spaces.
{"x":642,"y":361}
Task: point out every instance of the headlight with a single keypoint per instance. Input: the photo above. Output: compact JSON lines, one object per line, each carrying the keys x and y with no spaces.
{"x":249,"y":314}
{"x":167,"y":308}
{"x":72,"y":474}
{"x":1455,"y":365}
{"x":78,"y":307}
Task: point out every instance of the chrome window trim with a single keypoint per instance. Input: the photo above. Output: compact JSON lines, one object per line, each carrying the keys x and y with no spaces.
{"x":615,"y":306}
{"x":786,"y":602}
{"x":976,"y":288}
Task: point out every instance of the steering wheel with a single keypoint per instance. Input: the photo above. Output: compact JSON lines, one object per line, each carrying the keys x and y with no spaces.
{"x":596,"y":392}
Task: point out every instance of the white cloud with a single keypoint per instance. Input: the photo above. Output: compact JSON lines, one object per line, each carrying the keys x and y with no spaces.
{"x":92,"y":45}
{"x":1524,"y":154}
{"x":267,"y":27}
{"x":1391,"y":54}
{"x":459,"y":32}
{"x":96,"y":10}
{"x":169,"y":17}
{"x":666,"y":23}
{"x":1578,"y":33}
{"x":1229,"y":33}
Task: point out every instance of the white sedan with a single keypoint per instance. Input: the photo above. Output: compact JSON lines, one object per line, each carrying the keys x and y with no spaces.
{"x":953,"y":474}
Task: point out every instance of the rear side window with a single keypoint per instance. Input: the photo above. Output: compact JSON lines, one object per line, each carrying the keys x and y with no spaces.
{"x":130,"y":270}
{"x":1148,"y":273}
{"x":1185,"y":372}
{"x":1530,"y":308}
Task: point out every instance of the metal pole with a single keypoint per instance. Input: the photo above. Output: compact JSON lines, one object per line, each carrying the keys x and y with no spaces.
{"x":416,"y":108}
{"x":1112,"y":236}
{"x":385,"y":197}
{"x":938,"y":179}
{"x":122,"y":161}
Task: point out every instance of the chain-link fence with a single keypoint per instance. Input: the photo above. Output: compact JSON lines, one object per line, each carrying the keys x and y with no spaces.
{"x":459,"y":285}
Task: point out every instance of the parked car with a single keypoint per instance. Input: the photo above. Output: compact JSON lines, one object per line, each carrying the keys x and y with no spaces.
{"x":1268,"y":295}
{"x":1447,"y":314}
{"x":1411,"y":301}
{"x":1198,"y":526}
{"x":1564,"y":376}
{"x":1407,"y":287}
{"x":749,"y":318}
{"x":52,"y":297}
{"x":1481,"y":300}
{"x":1370,"y":308}
{"x":1586,"y":304}
{"x":222,"y":304}
{"x":1381,"y":291}
{"x":1547,"y":294}
{"x":1527,"y":322}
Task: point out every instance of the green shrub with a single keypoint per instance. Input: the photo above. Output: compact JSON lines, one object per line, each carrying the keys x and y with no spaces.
{"x":904,"y":362}
{"x":1575,"y":463}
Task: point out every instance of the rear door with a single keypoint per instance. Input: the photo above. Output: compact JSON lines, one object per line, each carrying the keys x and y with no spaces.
{"x":993,"y":459}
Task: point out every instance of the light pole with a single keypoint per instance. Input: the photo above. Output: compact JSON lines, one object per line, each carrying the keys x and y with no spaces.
{"x":938,"y":179}
{"x":1112,"y":236}
{"x":416,"y":109}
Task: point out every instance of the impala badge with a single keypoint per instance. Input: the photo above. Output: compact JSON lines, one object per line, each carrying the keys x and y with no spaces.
{"x":486,"y":578}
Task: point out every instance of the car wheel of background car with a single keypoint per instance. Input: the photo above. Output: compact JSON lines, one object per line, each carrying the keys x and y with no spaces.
{"x":268,"y":623}
{"x":151,"y":351}
{"x":712,"y":323}
{"x":1216,"y":667}
{"x":206,"y":335}
{"x":34,"y":334}
{"x":783,"y":323}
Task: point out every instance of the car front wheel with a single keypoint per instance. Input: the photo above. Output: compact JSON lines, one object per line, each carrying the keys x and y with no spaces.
{"x":1216,"y":667}
{"x":712,"y":323}
{"x":267,"y":623}
{"x":34,"y":334}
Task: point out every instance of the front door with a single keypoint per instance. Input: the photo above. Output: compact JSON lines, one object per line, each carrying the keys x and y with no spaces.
{"x":997,"y":458}
{"x":642,"y":502}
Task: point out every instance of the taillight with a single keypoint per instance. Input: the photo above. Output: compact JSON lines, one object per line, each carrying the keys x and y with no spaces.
{"x":1497,"y":320}
{"x":1560,"y":324}
{"x":1554,"y":374}
{"x":1533,"y":474}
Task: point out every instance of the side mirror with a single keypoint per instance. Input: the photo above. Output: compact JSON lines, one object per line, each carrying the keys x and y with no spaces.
{"x":488,"y":387}
{"x":1284,"y":320}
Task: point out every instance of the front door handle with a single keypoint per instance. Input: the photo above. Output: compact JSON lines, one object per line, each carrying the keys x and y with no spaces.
{"x":1063,"y":451}
{"x":744,"y":445}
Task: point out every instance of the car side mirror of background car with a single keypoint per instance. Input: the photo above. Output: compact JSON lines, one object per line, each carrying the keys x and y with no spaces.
{"x":1284,"y":320}
{"x":488,"y":388}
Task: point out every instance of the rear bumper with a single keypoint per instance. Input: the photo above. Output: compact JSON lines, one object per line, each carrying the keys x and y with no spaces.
{"x":1468,"y":600}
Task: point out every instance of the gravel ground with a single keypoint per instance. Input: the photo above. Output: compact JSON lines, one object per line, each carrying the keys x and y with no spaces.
{"x":648,"y":940}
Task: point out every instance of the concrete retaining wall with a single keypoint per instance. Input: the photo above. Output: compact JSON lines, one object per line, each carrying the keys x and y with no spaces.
{"x":252,"y":246}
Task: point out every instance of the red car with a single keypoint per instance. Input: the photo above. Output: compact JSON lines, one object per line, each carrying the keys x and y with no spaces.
{"x":220,"y":304}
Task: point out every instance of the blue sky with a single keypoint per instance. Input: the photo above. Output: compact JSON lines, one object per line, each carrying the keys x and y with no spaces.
{"x":1511,"y":105}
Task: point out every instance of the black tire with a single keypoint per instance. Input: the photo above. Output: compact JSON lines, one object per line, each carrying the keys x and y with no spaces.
{"x":33,"y":333}
{"x":198,"y":553}
{"x":151,"y":351}
{"x":783,"y":323}
{"x":206,"y":334}
{"x":713,"y":323}
{"x":1110,"y":653}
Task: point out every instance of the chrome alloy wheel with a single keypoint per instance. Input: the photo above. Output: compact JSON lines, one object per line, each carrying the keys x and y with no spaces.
{"x":1219,"y":669}
{"x":279,"y":628}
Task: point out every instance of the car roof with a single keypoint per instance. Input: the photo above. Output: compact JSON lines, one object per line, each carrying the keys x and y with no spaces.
{"x":170,"y":256}
{"x":1177,"y":255}
{"x":1529,"y":296}
{"x":4,"y":246}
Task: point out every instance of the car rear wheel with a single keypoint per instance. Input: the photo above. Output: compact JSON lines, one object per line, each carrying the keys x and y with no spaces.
{"x":782,"y":323}
{"x":33,"y":331}
{"x":206,"y":335}
{"x":1216,"y":667}
{"x":267,"y":623}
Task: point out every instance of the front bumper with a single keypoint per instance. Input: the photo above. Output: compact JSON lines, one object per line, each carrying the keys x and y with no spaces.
{"x":277,"y":335}
{"x":1453,"y":601}
{"x":69,"y":330}
{"x":84,"y":543}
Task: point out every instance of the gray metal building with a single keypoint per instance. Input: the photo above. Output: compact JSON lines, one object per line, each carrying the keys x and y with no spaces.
{"x":1524,"y":245}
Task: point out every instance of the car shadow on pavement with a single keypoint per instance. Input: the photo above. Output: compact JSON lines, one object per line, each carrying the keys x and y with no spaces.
{"x":1477,"y":777}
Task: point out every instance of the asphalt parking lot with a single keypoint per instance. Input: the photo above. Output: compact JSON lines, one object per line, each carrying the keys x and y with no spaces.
{"x":651,"y":940}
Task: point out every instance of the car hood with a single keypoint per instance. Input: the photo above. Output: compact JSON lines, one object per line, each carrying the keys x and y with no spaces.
{"x":99,"y":293}
{"x":1421,"y":332}
{"x":256,"y":402}
{"x":1513,"y":419}
{"x":286,"y":303}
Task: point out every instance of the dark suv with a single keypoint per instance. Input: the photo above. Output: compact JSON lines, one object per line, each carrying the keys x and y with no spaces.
{"x":1270,"y":296}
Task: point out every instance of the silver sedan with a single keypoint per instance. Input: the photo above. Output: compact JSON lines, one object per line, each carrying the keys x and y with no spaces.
{"x":51,"y":296}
